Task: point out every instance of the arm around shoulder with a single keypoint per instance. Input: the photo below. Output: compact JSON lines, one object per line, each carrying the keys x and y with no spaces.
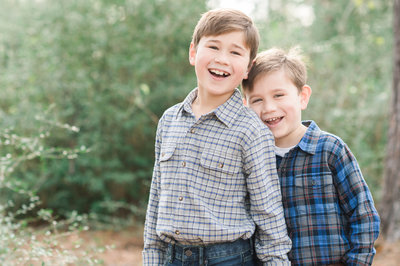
{"x":272,"y":242}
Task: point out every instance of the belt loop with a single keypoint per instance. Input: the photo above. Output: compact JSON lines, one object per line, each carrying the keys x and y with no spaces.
{"x":171,"y":252}
{"x":252,"y":239}
{"x":201,"y":256}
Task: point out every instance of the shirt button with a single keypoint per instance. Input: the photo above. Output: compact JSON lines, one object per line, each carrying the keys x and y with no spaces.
{"x":180,"y":198}
{"x":183,"y":164}
{"x":188,"y":253}
{"x":162,"y":154}
{"x":177,"y":232}
{"x":192,"y":131}
{"x":220,"y":165}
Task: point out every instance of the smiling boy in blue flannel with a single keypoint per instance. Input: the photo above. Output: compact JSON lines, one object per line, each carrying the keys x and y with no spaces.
{"x":214,"y":183}
{"x":329,"y":210}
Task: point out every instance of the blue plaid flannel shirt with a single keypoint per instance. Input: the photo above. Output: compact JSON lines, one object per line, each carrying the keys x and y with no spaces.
{"x":329,"y":210}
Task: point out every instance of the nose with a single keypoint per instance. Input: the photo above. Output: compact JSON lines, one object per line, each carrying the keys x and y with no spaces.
{"x":269,"y":106}
{"x":221,"y":58}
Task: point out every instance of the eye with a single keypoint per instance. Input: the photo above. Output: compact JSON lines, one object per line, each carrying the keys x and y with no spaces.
{"x":256,"y":100}
{"x":278,"y":95}
{"x":213,"y":47}
{"x":236,"y":53}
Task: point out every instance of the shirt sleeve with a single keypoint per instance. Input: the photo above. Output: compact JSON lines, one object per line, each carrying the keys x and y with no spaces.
{"x":272,"y":242}
{"x":154,"y":248}
{"x":357,"y":203}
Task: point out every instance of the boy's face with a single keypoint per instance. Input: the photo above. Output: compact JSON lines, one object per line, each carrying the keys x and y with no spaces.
{"x":278,"y":103}
{"x":221,"y":63}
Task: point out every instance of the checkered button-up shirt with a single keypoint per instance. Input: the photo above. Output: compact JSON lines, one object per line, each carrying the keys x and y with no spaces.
{"x":214,"y":181}
{"x":329,"y":209}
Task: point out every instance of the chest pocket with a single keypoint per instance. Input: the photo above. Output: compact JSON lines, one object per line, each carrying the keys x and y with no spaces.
{"x":221,"y":179}
{"x":315,"y":194}
{"x":168,"y":165}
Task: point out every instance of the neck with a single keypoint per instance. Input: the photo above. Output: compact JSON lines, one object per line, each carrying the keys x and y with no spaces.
{"x":205,"y":103}
{"x":293,"y":139}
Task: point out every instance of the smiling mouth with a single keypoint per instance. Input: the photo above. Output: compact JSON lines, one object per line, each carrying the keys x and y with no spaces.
{"x":219,"y":73}
{"x":273,"y":121}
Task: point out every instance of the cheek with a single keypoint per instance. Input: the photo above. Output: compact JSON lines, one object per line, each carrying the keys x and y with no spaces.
{"x":245,"y":72}
{"x":293,"y":109}
{"x":241,"y":66}
{"x":256,"y":108}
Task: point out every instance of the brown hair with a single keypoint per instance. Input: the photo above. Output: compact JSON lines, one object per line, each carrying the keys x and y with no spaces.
{"x":275,"y":59}
{"x":225,"y":20}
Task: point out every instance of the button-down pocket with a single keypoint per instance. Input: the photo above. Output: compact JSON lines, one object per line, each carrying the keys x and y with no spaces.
{"x":315,"y":193}
{"x":221,"y":178}
{"x":168,"y":165}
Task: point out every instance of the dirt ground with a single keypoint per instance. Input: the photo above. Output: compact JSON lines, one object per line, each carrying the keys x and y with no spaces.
{"x":123,"y":248}
{"x":128,"y":247}
{"x":387,"y":254}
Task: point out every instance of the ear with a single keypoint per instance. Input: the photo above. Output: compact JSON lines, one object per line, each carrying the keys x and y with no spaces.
{"x":305,"y":96}
{"x":192,"y":54}
{"x":248,"y":70}
{"x":244,"y":101}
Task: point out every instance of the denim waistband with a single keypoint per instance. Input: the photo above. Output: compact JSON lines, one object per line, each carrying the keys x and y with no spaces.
{"x":181,"y":252}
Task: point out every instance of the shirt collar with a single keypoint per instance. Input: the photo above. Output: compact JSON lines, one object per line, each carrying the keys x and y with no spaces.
{"x":226,"y":112}
{"x":310,"y":139}
{"x":187,"y":103}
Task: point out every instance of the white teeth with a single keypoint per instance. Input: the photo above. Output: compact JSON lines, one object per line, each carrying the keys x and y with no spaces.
{"x":272,"y":119}
{"x":220,"y":73}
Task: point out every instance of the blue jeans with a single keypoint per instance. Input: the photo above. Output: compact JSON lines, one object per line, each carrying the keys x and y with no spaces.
{"x":239,"y":252}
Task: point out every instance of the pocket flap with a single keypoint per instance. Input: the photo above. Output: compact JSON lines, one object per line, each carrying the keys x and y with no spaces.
{"x":217,"y":161}
{"x":313,"y":181}
{"x":167,"y":150}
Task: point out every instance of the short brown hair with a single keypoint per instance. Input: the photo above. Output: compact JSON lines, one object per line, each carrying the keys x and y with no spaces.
{"x":275,"y":59}
{"x":225,"y":20}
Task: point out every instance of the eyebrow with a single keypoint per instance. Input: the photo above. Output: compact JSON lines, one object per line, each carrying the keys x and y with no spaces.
{"x":260,"y":94}
{"x":251,"y":95}
{"x":278,"y":89}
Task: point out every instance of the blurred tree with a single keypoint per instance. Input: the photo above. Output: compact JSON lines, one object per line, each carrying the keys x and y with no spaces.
{"x":390,"y":205}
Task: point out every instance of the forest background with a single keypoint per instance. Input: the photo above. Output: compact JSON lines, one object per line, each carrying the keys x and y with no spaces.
{"x":83,"y":84}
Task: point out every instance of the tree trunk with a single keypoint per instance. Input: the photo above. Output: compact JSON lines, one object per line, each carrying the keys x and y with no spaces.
{"x":390,"y":205}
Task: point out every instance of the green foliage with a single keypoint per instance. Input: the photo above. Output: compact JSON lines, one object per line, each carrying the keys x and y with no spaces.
{"x":19,"y":243}
{"x":110,"y":68}
{"x":348,"y":48}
